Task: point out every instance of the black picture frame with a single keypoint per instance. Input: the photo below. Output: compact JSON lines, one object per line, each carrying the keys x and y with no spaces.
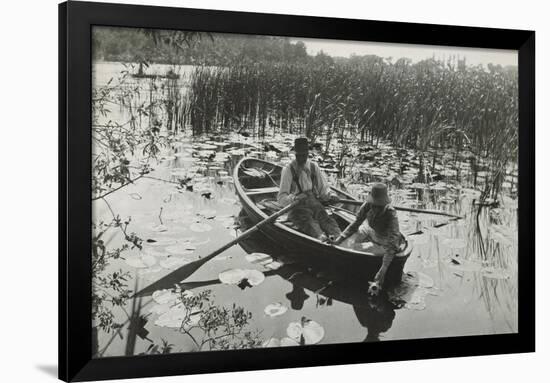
{"x":75,"y":349}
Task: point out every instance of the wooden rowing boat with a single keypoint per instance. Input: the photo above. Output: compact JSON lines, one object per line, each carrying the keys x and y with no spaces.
{"x":257,"y":185}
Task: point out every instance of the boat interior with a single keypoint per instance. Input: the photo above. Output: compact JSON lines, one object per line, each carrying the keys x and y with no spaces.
{"x":260,"y":182}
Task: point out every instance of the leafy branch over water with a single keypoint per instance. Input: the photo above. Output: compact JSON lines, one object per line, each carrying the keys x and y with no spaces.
{"x":123,"y":155}
{"x":219,"y":328}
{"x":115,"y":146}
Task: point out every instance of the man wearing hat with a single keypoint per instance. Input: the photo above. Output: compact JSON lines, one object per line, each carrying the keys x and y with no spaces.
{"x":297,"y":297}
{"x":303,"y":180}
{"x":382,"y":229}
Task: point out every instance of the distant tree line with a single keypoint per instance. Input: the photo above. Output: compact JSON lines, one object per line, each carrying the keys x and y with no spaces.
{"x":191,"y":48}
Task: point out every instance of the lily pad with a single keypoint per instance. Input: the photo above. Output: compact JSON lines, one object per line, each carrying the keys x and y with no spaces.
{"x":409,"y":294}
{"x":160,"y":242}
{"x":155,"y":253}
{"x":181,"y":249}
{"x":173,"y":263}
{"x":159,"y":228}
{"x":135,"y":196}
{"x":228,"y":223}
{"x":238,"y":276}
{"x":174,"y":318}
{"x":287,"y":342}
{"x":416,"y":278}
{"x":419,"y":240}
{"x":164,"y":296}
{"x":417,"y":300}
{"x":305,"y":332}
{"x":199,"y":227}
{"x":222,"y":258}
{"x":464,"y":265}
{"x":254,"y":277}
{"x":207,"y":213}
{"x":202,"y":242}
{"x":503,"y":235}
{"x":231,"y":277}
{"x":494,"y":273}
{"x":501,"y":239}
{"x":186,"y":240}
{"x":275,"y":309}
{"x":136,"y":262}
{"x":148,"y":259}
{"x":455,"y":243}
{"x":425,"y":281}
{"x":150,"y":270}
{"x":271,"y":342}
{"x":159,"y":309}
{"x":273,"y":265}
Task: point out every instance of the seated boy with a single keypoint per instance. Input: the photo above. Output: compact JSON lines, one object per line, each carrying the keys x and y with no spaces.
{"x":382,"y":230}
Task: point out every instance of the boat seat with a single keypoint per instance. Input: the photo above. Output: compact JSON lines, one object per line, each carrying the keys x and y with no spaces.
{"x":258,"y":191}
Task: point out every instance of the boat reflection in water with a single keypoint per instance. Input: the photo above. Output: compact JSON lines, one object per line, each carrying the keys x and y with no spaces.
{"x":375,"y":313}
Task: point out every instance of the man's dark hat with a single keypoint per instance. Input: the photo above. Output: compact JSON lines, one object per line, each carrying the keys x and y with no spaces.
{"x":379,"y":195}
{"x":301,"y":145}
{"x":297,"y":297}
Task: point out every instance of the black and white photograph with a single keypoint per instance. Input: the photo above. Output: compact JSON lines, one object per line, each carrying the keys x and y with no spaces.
{"x":254,"y":191}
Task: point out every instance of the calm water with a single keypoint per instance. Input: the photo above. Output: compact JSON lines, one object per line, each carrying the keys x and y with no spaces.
{"x":453,"y":287}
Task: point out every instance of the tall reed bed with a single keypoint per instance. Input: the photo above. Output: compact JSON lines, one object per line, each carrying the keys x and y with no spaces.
{"x":431,"y":106}
{"x":424,"y":106}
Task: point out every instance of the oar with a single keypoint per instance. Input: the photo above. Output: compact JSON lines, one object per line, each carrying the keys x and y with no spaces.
{"x":186,"y":270}
{"x":437,"y":226}
{"x":409,"y":209}
{"x":417,"y":232}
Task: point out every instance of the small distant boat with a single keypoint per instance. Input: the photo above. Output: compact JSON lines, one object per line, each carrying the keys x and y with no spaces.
{"x":169,"y":75}
{"x":257,"y":185}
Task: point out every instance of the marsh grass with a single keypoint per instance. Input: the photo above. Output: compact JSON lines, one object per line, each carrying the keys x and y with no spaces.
{"x":432,"y":107}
